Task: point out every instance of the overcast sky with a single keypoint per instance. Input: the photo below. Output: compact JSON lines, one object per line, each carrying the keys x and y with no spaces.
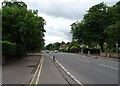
{"x":60,"y":14}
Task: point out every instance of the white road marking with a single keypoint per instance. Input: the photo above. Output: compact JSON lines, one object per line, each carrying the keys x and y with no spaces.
{"x":109,"y":66}
{"x":83,"y":60}
{"x":83,"y":56}
{"x":69,"y":73}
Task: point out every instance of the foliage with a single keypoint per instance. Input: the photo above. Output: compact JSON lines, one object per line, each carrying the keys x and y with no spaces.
{"x":54,"y":46}
{"x":9,"y":48}
{"x":22,"y":27}
{"x":65,"y":49}
{"x":85,"y":50}
{"x":113,"y":30}
{"x":74,"y":49}
{"x":49,"y":47}
{"x":92,"y":50}
{"x":101,"y":24}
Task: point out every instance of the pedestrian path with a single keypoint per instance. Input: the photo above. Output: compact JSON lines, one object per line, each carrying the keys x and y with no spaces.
{"x":20,"y":71}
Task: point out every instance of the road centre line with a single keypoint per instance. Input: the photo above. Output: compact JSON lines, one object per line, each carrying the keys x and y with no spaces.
{"x":83,"y":60}
{"x":108,"y":66}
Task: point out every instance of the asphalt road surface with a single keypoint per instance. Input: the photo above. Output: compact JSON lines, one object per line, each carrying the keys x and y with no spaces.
{"x":89,"y":70}
{"x":50,"y":74}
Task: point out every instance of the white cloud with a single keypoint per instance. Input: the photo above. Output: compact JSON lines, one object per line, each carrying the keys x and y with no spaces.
{"x":57,"y":29}
{"x":59,"y":14}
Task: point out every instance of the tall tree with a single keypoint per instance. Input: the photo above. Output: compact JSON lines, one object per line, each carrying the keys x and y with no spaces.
{"x":96,"y":21}
{"x":22,"y":26}
{"x":113,"y":30}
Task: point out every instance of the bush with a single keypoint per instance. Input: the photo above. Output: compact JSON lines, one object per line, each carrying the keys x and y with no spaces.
{"x":74,"y":49}
{"x":112,"y":50}
{"x":12,"y":49}
{"x":92,"y":50}
{"x":8,"y":48}
{"x":65,"y":49}
{"x":85,"y":50}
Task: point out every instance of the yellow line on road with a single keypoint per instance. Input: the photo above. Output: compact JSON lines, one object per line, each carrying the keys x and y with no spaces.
{"x":39,"y":72}
{"x":31,"y":82}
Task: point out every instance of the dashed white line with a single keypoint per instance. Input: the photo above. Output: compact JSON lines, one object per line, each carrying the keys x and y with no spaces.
{"x":83,"y":60}
{"x":108,"y":66}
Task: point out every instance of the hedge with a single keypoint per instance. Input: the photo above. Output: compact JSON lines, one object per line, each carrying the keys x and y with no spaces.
{"x":92,"y":50}
{"x":12,"y":49}
{"x":65,"y":49}
{"x":74,"y":49}
{"x":8,"y":48}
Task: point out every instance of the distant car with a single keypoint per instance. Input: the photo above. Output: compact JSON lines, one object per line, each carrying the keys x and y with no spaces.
{"x":47,"y":51}
{"x":55,"y":51}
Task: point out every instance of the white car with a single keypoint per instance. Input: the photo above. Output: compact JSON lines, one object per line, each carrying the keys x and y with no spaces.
{"x":55,"y":51}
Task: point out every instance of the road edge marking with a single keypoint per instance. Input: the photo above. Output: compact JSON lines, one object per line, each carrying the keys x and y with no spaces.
{"x":35,"y":72}
{"x":68,"y":73}
{"x":39,"y":71}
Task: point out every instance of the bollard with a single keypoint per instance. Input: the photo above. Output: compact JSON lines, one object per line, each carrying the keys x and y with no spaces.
{"x":108,"y":55}
{"x":89,"y":53}
{"x":53,"y":58}
{"x":96,"y":57}
{"x":82,"y":51}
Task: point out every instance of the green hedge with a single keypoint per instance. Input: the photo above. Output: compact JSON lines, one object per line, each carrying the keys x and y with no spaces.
{"x":74,"y":49}
{"x":92,"y":50}
{"x":85,"y":50}
{"x":12,"y":49}
{"x":65,"y":49}
{"x":8,"y":48}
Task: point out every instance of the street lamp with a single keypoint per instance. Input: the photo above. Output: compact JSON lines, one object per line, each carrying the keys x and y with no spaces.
{"x":117,"y":47}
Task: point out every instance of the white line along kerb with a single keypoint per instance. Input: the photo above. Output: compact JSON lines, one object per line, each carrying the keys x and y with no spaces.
{"x":69,"y":73}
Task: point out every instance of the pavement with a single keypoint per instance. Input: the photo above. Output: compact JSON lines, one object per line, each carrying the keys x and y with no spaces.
{"x":20,"y":71}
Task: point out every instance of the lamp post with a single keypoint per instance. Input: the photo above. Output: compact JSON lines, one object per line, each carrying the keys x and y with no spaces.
{"x":117,"y":47}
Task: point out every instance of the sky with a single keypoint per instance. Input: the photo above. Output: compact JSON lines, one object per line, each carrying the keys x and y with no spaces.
{"x":60,"y":14}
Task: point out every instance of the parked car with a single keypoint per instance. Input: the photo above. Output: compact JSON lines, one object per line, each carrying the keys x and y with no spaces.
{"x":47,"y":51}
{"x":55,"y":51}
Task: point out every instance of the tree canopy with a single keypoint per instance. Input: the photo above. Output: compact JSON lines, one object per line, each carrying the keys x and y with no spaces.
{"x":22,"y":27}
{"x":101,"y":24}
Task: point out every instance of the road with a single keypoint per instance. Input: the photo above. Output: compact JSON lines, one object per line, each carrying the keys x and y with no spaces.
{"x":49,"y":73}
{"x":89,"y":70}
